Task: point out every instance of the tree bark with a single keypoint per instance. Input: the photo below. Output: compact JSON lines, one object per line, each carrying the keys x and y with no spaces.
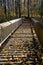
{"x":28,"y":7}
{"x":19,"y":10}
{"x":16,"y":11}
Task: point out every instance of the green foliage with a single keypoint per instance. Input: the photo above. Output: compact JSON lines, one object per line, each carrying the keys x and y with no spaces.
{"x":42,"y":7}
{"x":41,"y":10}
{"x":5,"y":19}
{"x":37,"y":11}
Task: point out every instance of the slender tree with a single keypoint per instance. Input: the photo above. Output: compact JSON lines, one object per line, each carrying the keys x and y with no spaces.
{"x":41,"y":8}
{"x":4,"y":5}
{"x":8,"y":8}
{"x":28,"y":7}
{"x":19,"y":9}
{"x":13,"y":7}
{"x":16,"y":11}
{"x":24,"y":7}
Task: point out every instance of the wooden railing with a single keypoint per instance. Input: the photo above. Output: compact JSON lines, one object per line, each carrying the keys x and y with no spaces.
{"x":7,"y":28}
{"x":38,"y":26}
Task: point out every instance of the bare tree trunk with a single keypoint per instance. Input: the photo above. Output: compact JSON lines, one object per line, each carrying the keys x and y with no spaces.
{"x":4,"y":2}
{"x":8,"y":9}
{"x":28,"y":7}
{"x":19,"y":10}
{"x":16,"y":9}
{"x":24,"y":7}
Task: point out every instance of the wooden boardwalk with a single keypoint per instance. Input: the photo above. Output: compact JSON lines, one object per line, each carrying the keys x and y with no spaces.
{"x":19,"y":48}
